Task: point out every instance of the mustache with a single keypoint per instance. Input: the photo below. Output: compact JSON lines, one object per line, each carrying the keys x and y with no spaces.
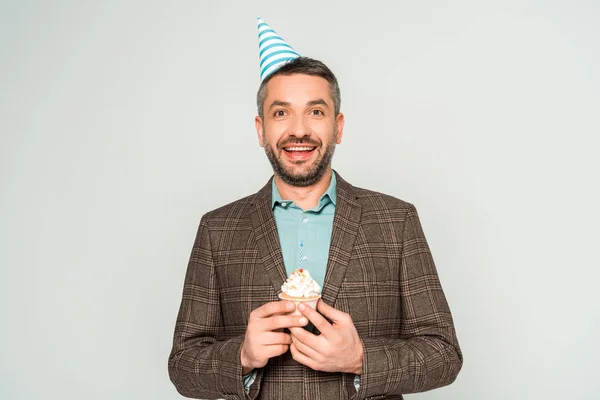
{"x":299,"y":141}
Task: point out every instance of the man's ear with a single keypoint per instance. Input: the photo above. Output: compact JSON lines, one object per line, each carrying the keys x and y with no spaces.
{"x":339,"y":119}
{"x":259,"y":130}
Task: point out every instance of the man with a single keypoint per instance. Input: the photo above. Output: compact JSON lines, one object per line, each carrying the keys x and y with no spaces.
{"x":382,"y":327}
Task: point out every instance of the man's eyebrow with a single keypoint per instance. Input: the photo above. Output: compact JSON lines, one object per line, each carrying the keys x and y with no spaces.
{"x":287,"y":104}
{"x":317,"y":102}
{"x":279,"y":103}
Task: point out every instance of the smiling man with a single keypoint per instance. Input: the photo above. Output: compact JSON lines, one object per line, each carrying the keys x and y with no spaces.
{"x":382,"y":328}
{"x":298,"y":126}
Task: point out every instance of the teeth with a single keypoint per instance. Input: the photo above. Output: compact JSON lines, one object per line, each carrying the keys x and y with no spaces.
{"x":299,"y":148}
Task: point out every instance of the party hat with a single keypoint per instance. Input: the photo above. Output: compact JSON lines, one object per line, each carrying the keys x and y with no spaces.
{"x":273,"y":50}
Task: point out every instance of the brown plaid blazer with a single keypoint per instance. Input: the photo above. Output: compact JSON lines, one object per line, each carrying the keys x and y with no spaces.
{"x":380,"y":271}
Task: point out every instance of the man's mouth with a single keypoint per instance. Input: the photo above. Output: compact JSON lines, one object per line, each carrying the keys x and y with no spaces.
{"x":294,"y":149}
{"x":299,"y":152}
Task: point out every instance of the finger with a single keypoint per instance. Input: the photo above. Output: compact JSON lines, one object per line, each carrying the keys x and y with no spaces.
{"x":285,"y":321}
{"x":302,"y":358}
{"x":274,"y":350}
{"x":273,"y":338}
{"x":307,"y":350}
{"x":306,"y":337}
{"x":273,"y":308}
{"x":332,"y":313}
{"x":317,"y":319}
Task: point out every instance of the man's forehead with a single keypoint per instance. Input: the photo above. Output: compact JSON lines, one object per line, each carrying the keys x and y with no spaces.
{"x":298,"y":89}
{"x":298,"y":79}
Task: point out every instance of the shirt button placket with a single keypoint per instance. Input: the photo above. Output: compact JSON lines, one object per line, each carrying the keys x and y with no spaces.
{"x":304,"y":233}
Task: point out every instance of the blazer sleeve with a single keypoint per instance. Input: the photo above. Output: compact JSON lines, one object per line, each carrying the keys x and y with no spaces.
{"x":427,"y":354}
{"x":203,"y":363}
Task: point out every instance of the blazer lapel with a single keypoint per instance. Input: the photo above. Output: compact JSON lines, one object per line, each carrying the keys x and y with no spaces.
{"x":345,"y":227}
{"x":267,"y":240}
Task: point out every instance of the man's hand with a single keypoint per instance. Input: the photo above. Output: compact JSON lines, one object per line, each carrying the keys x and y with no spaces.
{"x":264,"y":335}
{"x":337,"y":349}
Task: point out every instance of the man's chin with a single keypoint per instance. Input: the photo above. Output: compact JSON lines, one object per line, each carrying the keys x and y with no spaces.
{"x":286,"y":176}
{"x":300,"y":179}
{"x":299,"y":173}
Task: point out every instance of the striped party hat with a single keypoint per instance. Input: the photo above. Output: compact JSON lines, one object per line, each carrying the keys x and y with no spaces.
{"x":273,"y":50}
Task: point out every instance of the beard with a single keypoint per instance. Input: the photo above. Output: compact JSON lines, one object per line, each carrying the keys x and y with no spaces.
{"x":312,"y":173}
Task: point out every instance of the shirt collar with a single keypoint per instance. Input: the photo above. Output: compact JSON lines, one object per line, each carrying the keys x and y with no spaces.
{"x":329,"y":195}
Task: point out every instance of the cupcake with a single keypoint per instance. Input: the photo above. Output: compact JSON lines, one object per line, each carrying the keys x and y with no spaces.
{"x":300,"y":287}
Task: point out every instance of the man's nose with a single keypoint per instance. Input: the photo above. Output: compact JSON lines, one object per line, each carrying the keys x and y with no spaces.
{"x":299,"y":127}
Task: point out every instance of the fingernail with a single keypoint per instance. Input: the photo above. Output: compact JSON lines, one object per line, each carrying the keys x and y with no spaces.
{"x":290,"y":306}
{"x":301,"y":307}
{"x":302,"y":321}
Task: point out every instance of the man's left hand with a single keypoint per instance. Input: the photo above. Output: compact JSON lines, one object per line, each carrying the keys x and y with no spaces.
{"x":337,"y":349}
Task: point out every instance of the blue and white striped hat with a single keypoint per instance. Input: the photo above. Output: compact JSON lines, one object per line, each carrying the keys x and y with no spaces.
{"x":273,"y":50}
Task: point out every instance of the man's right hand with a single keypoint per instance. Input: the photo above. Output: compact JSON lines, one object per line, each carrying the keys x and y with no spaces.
{"x":264,"y":335}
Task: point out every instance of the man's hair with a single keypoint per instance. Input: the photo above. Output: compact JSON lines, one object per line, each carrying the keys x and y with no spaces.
{"x":306,"y":66}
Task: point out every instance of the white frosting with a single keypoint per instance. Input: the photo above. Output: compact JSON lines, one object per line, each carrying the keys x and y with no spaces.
{"x":301,"y":284}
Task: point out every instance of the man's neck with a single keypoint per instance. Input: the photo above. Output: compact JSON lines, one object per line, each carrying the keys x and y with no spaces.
{"x":304,"y":197}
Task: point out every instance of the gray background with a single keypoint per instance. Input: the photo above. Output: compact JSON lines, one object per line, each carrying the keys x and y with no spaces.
{"x":123,"y":122}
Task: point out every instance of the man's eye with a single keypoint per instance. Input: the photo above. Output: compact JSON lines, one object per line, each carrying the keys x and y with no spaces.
{"x":279,"y":113}
{"x":318,"y":113}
